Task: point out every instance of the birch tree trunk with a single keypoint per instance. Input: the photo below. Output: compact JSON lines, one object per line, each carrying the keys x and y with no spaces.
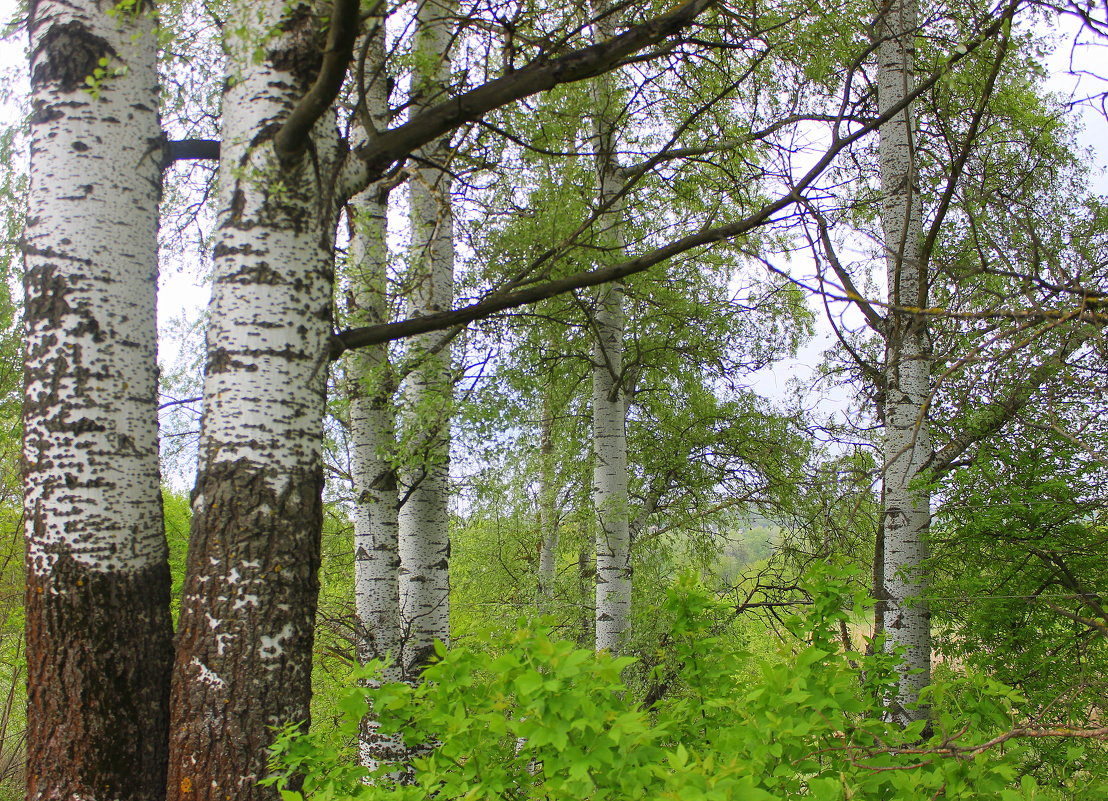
{"x":244,"y":640}
{"x":907,"y":514}
{"x":376,"y":597}
{"x":98,"y":627}
{"x":372,"y":426}
{"x":427,"y":389}
{"x":609,"y":410}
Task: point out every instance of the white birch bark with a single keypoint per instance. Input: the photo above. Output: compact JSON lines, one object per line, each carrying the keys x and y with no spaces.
{"x":424,"y":519}
{"x":907,"y":447}
{"x":373,"y":437}
{"x":97,"y":573}
{"x":244,"y":640}
{"x":609,"y":411}
{"x":372,"y":427}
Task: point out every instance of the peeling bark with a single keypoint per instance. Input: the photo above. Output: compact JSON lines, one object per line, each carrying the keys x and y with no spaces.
{"x":97,"y":605}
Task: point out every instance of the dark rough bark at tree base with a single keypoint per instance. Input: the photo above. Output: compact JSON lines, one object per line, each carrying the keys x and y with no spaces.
{"x":96,"y":700}
{"x":253,"y":565}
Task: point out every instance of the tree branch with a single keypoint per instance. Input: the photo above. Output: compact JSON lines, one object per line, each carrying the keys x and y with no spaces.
{"x":724,"y":145}
{"x":578,"y":65}
{"x":538,"y":76}
{"x":497,"y":302}
{"x":189,"y":149}
{"x":959,"y":164}
{"x":341,"y":33}
{"x":999,"y":414}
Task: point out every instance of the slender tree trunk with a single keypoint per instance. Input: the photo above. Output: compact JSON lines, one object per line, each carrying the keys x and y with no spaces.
{"x":244,"y":640}
{"x":586,"y":591}
{"x":907,"y":515}
{"x":424,"y":519}
{"x":609,"y":410}
{"x":373,"y":435}
{"x":376,"y":597}
{"x":548,"y":513}
{"x":613,"y":541}
{"x":98,"y":627}
{"x":372,"y":427}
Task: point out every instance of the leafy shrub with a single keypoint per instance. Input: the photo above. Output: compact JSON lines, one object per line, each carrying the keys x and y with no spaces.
{"x":547,"y":720}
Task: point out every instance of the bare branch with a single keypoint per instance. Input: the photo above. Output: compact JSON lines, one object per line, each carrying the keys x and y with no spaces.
{"x":188,"y":150}
{"x":538,"y":76}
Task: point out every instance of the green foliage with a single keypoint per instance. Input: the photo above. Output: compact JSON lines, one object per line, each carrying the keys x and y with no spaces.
{"x":13,"y":665}
{"x":547,"y":720}
{"x":101,"y":74}
{"x":177,"y":514}
{"x":333,"y":660}
{"x":1020,"y":546}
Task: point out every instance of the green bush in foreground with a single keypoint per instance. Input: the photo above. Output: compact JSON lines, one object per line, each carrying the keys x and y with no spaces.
{"x":547,"y":720}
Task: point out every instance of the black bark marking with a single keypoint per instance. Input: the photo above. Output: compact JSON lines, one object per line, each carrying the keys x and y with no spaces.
{"x":89,"y":325}
{"x":265,"y":134}
{"x":301,"y":50}
{"x":68,"y":54}
{"x":238,"y":204}
{"x":221,"y":361}
{"x":45,"y":291}
{"x":420,"y":659}
{"x":43,"y":113}
{"x":258,"y":272}
{"x":81,"y":426}
{"x":222,"y":249}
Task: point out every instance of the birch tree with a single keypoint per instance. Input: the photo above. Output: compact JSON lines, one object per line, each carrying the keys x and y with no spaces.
{"x":373,"y":413}
{"x":609,"y":408}
{"x":243,"y":659}
{"x":373,"y":443}
{"x":907,"y":446}
{"x":427,"y":389}
{"x":960,"y":243}
{"x":98,"y":627}
{"x":245,"y":632}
